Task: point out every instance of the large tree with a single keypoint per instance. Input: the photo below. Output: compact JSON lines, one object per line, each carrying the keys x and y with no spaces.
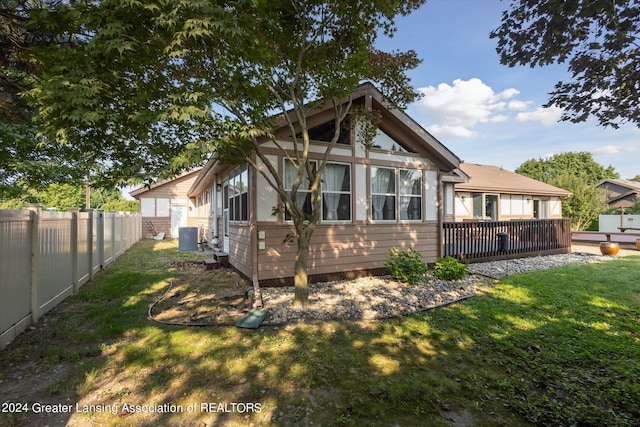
{"x":577,"y":172}
{"x":600,"y":39}
{"x":28,"y":161}
{"x":156,"y":86}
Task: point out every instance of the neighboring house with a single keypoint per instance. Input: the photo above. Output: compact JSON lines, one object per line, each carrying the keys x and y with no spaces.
{"x":390,"y":196}
{"x":167,"y":207}
{"x":493,"y":193}
{"x":618,"y":193}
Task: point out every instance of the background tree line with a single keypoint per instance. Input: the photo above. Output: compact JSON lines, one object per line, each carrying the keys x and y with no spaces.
{"x":578,"y":173}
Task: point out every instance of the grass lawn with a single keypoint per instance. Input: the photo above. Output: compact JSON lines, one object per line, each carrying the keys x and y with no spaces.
{"x":554,"y":347}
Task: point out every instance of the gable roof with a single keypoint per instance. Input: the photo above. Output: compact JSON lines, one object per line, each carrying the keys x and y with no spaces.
{"x":630,"y":185}
{"x":394,"y":121}
{"x":493,"y":179}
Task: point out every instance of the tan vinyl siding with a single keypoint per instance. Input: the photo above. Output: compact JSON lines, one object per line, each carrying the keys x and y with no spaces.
{"x":345,"y":248}
{"x":161,"y":225}
{"x":172,"y":190}
{"x":240,"y":249}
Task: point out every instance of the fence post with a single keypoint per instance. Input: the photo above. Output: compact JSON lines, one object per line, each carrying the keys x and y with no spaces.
{"x":100,"y":237}
{"x":36,"y":210}
{"x":75,"y":223}
{"x":114,"y":250}
{"x":90,"y":241}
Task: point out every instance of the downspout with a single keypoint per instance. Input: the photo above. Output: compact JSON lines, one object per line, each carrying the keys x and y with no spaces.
{"x":253,"y":237}
{"x":214,"y":226}
{"x":440,"y":202}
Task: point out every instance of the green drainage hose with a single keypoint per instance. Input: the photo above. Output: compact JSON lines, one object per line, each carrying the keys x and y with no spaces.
{"x":164,"y":322}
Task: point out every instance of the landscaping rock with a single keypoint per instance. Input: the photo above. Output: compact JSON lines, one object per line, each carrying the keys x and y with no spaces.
{"x":371,"y":298}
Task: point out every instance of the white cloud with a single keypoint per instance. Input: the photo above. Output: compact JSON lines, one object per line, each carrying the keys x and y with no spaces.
{"x":546,"y":116}
{"x":518,"y":105}
{"x":454,"y":110}
{"x":454,"y":131}
{"x":614,"y":149}
{"x":607,"y":149}
{"x":465,"y":103}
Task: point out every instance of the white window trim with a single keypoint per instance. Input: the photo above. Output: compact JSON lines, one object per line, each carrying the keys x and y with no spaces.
{"x":288,"y":189}
{"x":394,"y":194}
{"x":421,"y":196}
{"x":238,"y":171}
{"x":397,"y":195}
{"x":350,"y":193}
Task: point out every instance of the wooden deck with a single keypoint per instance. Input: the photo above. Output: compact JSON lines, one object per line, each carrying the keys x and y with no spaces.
{"x":480,"y":241}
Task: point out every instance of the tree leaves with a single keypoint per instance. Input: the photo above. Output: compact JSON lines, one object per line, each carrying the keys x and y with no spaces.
{"x":578,"y":173}
{"x":600,"y":41}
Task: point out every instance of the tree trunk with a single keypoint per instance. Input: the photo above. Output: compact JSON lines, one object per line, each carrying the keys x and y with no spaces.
{"x":300,"y":279}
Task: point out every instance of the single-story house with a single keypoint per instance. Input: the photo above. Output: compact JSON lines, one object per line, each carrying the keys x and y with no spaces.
{"x":493,"y":193}
{"x":388,"y":196}
{"x":166,"y":206}
{"x":618,"y":193}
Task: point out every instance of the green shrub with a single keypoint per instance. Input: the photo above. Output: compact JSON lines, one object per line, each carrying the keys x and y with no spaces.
{"x":449,"y":268}
{"x":406,"y":266}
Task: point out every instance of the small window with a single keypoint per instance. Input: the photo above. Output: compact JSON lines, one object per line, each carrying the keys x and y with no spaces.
{"x":148,"y":207}
{"x":326,"y":131}
{"x":383,"y":141}
{"x":162,"y":207}
{"x":237,"y":194}
{"x":477,"y":205}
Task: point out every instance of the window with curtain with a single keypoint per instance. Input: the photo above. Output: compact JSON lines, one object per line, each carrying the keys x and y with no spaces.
{"x":410,"y":194}
{"x":336,"y":192}
{"x":383,"y":193}
{"x":303,"y":195}
{"x":237,"y":194}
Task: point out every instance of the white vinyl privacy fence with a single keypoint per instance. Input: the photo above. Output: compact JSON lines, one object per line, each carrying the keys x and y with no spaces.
{"x":47,"y":256}
{"x":612,"y":223}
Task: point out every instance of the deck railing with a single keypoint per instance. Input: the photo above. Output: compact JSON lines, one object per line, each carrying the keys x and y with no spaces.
{"x":480,"y":241}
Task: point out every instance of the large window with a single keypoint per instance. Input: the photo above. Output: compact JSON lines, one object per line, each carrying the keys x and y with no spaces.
{"x":485,"y":206}
{"x":390,"y":202}
{"x":237,"y":194}
{"x":336,"y":192}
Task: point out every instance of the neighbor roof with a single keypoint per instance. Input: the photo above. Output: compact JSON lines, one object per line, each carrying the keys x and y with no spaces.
{"x":631,"y":185}
{"x":633,"y":188}
{"x":144,"y":189}
{"x":494,"y":179}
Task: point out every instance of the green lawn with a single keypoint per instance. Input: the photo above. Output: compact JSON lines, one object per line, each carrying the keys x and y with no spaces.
{"x":555,"y":347}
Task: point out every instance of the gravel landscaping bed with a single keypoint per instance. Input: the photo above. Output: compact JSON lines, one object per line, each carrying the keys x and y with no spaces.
{"x":499,"y":269}
{"x":372,"y":298}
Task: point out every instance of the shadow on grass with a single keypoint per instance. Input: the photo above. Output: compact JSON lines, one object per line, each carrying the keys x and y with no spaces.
{"x":555,"y":347}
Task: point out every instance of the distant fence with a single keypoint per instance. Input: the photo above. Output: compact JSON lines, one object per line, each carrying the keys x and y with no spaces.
{"x":480,"y":241}
{"x":47,"y":256}
{"x":613,"y":223}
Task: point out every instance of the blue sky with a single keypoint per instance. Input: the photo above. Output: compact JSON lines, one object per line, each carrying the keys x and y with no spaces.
{"x":489,"y":113}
